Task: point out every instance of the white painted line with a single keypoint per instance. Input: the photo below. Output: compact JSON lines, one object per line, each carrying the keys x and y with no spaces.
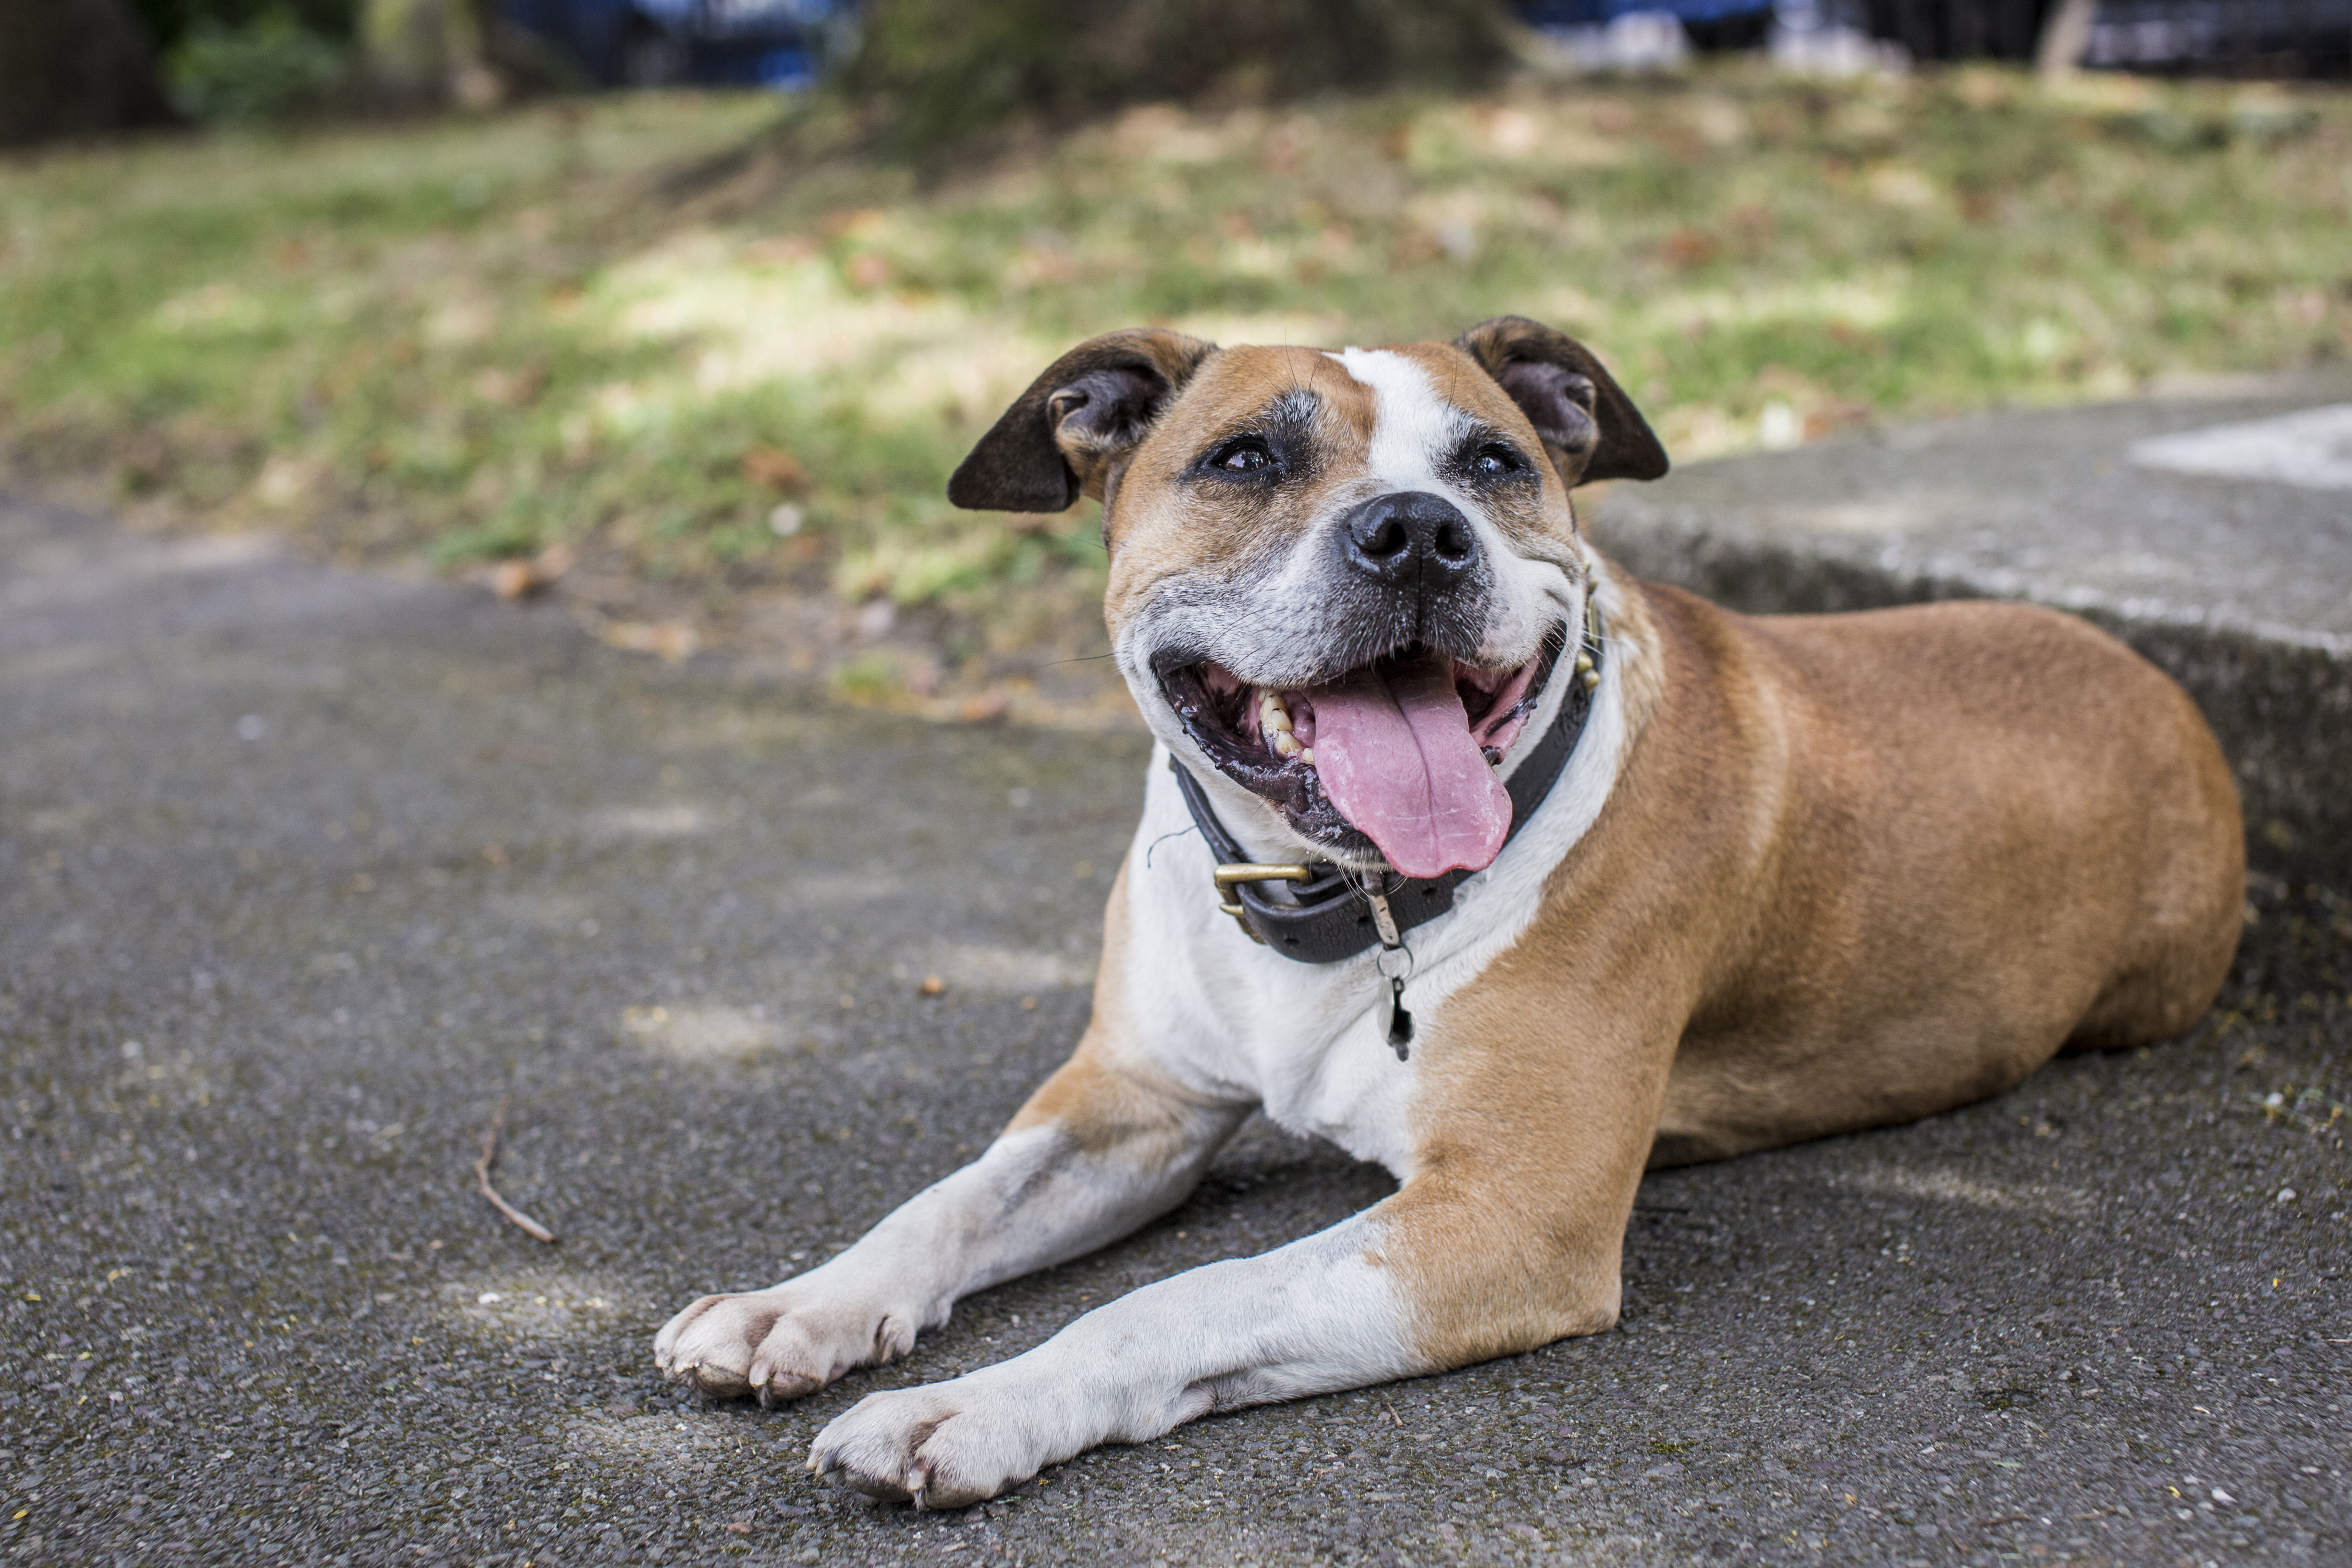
{"x":2311,"y":447}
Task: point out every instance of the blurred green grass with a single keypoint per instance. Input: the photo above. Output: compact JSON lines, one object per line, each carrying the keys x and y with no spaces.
{"x":477,"y":339}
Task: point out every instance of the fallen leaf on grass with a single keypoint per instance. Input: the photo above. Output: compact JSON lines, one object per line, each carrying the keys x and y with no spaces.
{"x":985,"y":709}
{"x":528,"y":574}
{"x":776,"y":468}
{"x":673,"y":641}
{"x":1688,"y":247}
{"x":511,"y":388}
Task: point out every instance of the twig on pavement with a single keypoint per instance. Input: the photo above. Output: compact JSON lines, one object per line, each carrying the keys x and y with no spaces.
{"x":523,"y":1221}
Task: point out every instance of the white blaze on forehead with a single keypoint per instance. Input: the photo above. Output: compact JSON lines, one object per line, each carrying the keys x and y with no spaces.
{"x":1412,"y":428}
{"x":1415,"y":431}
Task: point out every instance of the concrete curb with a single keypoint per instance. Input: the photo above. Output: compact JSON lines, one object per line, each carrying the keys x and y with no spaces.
{"x":1747,"y":532}
{"x":2284,"y":712}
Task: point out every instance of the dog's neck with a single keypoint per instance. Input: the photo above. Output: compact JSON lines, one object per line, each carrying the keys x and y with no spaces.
{"x":1633,"y":644}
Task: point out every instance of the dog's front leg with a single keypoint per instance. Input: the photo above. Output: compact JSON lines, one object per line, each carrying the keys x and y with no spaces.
{"x":1321,"y":1313}
{"x":1418,"y":1284}
{"x":1509,"y":1236}
{"x":1105,"y":1145}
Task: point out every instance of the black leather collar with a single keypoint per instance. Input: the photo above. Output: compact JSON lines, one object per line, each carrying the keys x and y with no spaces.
{"x":1335,"y":917}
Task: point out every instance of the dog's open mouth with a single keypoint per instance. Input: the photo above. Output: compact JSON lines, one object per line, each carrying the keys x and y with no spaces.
{"x":1402,"y":752}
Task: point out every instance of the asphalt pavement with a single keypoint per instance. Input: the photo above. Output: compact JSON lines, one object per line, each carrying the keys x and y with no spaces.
{"x":305,"y":872}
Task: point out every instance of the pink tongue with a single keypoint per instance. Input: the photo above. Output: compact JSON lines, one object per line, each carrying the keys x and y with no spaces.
{"x":1394,"y":754}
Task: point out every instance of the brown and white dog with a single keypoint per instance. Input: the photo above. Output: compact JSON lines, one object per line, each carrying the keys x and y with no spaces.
{"x":1798,"y":875}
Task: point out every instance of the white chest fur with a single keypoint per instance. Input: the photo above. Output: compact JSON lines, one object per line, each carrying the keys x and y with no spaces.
{"x":1309,"y":1041}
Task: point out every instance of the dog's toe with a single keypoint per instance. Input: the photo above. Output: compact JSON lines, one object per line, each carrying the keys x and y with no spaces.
{"x":871,"y":1450}
{"x":932,"y":1447}
{"x":790,"y":1360}
{"x":717,"y":1382}
{"x":709,"y":1345}
{"x":872,"y":1480}
{"x":779,"y":1343}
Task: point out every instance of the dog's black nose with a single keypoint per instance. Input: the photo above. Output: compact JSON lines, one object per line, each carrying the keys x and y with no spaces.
{"x":1411,"y":539}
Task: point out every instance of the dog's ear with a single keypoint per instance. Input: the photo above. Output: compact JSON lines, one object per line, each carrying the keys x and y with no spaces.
{"x":1061,"y":438}
{"x":1587,"y":423}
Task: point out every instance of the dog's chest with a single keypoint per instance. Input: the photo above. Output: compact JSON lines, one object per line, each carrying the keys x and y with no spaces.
{"x":1309,"y":1041}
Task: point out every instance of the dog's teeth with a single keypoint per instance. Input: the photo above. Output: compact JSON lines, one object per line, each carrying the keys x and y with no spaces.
{"x":1306,"y":755}
{"x":1273,"y":723}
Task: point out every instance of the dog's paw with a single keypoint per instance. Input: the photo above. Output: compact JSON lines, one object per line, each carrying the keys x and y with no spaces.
{"x":780,"y":1343}
{"x":949,"y":1445}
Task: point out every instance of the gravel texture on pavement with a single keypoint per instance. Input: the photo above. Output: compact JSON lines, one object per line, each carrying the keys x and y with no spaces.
{"x":303,"y":871}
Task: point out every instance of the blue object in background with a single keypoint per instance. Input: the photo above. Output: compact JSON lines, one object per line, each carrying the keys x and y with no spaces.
{"x":1557,"y":13}
{"x":775,"y":43}
{"x":1614,"y":25}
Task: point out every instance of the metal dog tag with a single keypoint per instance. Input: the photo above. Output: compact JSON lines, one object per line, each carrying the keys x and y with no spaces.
{"x":1400,"y":1020}
{"x":1392,"y":941}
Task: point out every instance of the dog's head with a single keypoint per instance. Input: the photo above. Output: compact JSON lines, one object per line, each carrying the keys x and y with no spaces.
{"x":1341,"y":580}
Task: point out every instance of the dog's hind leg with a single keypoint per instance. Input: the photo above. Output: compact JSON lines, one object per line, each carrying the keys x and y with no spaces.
{"x":2192,"y":900}
{"x":1105,"y":1145}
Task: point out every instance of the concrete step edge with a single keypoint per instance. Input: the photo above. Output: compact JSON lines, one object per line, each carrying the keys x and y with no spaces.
{"x":2279,"y":698}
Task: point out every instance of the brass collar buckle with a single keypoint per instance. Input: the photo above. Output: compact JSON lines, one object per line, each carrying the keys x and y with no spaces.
{"x":1232,"y":876}
{"x":1336,"y":916}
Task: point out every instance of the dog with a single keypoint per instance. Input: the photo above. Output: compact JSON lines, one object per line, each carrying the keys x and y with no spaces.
{"x":1487,"y":862}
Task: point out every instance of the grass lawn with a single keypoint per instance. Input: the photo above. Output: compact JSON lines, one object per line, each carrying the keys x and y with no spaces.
{"x":475,"y":339}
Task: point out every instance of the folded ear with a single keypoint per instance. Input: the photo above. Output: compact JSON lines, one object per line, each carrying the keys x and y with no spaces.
{"x":1587,"y":423}
{"x":1062,"y":438}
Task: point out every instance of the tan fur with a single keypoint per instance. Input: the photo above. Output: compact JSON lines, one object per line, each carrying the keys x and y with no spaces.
{"x":1848,"y":870}
{"x":1155,"y":526}
{"x":1855,"y":869}
{"x":1106,"y":1096}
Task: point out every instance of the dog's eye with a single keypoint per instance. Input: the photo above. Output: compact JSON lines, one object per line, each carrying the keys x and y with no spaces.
{"x":1245,"y":456}
{"x":1493,"y":460}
